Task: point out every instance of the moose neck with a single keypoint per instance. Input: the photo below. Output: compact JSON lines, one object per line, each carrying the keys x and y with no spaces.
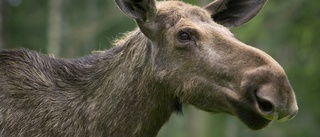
{"x":132,"y":103}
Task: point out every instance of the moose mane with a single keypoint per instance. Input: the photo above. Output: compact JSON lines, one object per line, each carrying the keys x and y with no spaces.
{"x":83,"y":81}
{"x":136,"y":41}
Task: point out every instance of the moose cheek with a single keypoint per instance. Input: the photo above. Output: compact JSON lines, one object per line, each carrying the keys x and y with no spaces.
{"x":203,"y":94}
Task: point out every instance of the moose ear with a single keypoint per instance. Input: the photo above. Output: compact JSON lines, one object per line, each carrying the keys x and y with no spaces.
{"x":143,"y":11}
{"x":233,"y":13}
{"x":138,"y":9}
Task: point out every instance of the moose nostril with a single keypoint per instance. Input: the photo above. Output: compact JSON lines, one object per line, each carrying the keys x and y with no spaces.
{"x":264,"y":105}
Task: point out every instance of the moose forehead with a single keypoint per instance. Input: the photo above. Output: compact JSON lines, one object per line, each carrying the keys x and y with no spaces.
{"x":171,"y":13}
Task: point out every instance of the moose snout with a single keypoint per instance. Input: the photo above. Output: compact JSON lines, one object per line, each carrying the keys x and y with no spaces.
{"x":274,"y":104}
{"x":272,"y":96}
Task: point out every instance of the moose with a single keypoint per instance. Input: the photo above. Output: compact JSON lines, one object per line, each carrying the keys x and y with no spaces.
{"x":179,"y":55}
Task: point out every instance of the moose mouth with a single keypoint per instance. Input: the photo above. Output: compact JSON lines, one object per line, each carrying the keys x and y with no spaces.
{"x":252,"y":119}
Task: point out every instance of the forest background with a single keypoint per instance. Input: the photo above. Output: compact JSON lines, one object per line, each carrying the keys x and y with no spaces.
{"x":287,"y":30}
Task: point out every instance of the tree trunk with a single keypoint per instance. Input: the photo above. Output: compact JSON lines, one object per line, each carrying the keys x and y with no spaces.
{"x":54,"y":31}
{"x":197,"y":123}
{"x":231,"y":129}
{"x":204,"y":2}
{"x":1,"y":25}
{"x":91,"y":16}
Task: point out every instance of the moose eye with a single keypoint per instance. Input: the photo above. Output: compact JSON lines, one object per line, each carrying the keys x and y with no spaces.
{"x":184,"y":36}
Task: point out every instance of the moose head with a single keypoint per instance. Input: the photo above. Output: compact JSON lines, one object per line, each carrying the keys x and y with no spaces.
{"x":198,"y":60}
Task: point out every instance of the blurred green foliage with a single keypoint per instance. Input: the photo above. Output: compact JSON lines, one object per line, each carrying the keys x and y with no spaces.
{"x":287,"y":30}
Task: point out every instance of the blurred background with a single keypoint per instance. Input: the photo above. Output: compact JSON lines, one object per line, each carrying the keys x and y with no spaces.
{"x":287,"y":30}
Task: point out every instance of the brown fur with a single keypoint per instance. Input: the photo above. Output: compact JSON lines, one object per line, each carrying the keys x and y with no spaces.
{"x":133,"y":88}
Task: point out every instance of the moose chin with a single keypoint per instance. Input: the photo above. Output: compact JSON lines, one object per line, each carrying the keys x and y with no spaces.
{"x":178,"y":55}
